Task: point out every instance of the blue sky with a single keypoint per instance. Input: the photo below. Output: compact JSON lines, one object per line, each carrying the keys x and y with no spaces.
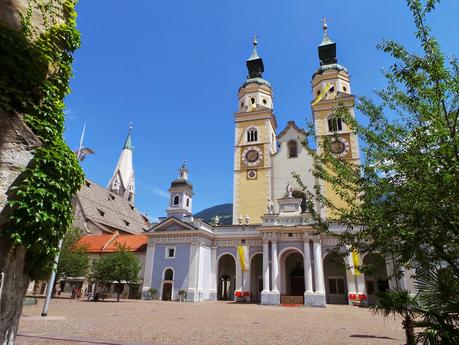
{"x":174,"y":68}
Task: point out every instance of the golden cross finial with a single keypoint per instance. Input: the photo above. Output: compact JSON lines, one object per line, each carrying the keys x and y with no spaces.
{"x":324,"y":23}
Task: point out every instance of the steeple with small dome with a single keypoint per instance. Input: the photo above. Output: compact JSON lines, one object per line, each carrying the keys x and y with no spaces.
{"x":255,"y":133}
{"x":181,"y":195}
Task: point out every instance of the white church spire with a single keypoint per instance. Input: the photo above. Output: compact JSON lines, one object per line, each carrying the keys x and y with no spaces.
{"x":122,"y":181}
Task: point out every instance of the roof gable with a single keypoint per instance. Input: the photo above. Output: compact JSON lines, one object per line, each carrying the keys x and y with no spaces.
{"x":172,"y":224}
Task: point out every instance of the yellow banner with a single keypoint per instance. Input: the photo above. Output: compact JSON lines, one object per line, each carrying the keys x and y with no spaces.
{"x":355,"y":261}
{"x":322,"y":93}
{"x":243,"y":257}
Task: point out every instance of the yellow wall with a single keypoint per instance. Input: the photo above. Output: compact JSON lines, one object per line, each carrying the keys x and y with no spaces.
{"x":251,"y":195}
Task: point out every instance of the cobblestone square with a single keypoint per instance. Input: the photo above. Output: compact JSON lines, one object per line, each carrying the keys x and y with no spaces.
{"x":218,"y":323}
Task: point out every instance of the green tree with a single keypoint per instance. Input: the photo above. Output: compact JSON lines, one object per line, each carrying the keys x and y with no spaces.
{"x":40,"y":174}
{"x":402,"y":201}
{"x":117,"y":267}
{"x":74,"y":259}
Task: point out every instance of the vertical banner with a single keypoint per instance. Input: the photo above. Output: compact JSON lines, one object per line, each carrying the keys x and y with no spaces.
{"x":322,"y":93}
{"x":356,"y":262}
{"x":243,"y":257}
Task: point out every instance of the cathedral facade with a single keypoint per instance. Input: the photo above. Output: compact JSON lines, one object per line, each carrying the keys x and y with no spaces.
{"x":270,"y":254}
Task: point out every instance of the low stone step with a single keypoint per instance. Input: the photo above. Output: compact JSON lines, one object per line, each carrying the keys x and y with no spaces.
{"x":292,"y":300}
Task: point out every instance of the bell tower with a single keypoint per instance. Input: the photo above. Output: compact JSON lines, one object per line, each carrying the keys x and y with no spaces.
{"x":331,"y":87}
{"x":181,"y":195}
{"x":255,"y":142}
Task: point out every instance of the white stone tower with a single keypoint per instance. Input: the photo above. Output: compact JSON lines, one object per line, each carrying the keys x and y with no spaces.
{"x":122,"y":181}
{"x":181,"y":195}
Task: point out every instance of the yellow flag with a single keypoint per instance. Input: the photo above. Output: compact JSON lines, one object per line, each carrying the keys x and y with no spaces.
{"x":355,"y":261}
{"x":322,"y":93}
{"x":243,"y":257}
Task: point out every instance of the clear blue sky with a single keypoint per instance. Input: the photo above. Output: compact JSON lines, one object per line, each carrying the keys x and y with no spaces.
{"x":174,"y":68}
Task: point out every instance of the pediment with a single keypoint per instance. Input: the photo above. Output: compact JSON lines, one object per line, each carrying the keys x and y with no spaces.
{"x":172,"y":224}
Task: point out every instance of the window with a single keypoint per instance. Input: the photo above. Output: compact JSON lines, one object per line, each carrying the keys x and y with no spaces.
{"x":187,"y":202}
{"x":265,"y":101}
{"x":336,"y":286}
{"x":176,"y":200}
{"x":292,"y":149}
{"x":170,"y":252}
{"x":252,"y":100}
{"x":169,"y":274}
{"x":335,"y":124}
{"x":126,"y":222}
{"x":88,"y":184}
{"x":102,"y":213}
{"x":252,"y":134}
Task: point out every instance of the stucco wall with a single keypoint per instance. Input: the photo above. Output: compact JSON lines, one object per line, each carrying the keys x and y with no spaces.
{"x":179,"y":264}
{"x":283,"y":166}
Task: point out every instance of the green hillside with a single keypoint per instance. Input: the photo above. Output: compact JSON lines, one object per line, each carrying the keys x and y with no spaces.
{"x":224,"y":212}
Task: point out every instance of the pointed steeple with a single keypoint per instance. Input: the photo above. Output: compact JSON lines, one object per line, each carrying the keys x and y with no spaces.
{"x":128,"y":142}
{"x":122,"y":181}
{"x":255,"y":63}
{"x":327,"y":48}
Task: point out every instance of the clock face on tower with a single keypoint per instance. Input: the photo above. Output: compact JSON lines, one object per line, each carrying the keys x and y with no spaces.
{"x":339,"y":147}
{"x":252,"y":156}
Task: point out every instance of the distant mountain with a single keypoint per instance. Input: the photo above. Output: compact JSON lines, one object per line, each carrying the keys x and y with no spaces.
{"x":224,"y":212}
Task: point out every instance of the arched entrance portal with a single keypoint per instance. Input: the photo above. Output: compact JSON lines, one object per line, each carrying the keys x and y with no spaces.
{"x":335,"y":279}
{"x":291,"y":280}
{"x":226,"y":277}
{"x":167,"y":284}
{"x":294,"y":269}
{"x":167,"y":292}
{"x":256,"y":279}
{"x":376,"y":279}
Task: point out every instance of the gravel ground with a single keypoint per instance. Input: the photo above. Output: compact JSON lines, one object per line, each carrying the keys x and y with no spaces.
{"x":216,"y":323}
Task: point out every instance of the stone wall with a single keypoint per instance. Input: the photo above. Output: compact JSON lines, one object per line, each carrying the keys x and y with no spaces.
{"x":16,"y":150}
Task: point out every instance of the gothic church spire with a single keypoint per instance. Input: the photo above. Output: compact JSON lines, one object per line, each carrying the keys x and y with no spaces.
{"x":122,"y":181}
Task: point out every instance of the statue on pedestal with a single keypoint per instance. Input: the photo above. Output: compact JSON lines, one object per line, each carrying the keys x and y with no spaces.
{"x":289,"y":190}
{"x":270,"y":206}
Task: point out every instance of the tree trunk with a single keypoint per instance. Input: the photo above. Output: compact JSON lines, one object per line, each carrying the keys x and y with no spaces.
{"x":408,"y":325}
{"x":118,"y":292}
{"x":15,"y":284}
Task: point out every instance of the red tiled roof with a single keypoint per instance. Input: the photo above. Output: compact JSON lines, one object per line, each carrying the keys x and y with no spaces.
{"x":109,"y":243}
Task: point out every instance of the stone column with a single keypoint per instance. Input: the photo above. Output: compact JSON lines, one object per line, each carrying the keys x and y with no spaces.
{"x":148,"y":270}
{"x":318,"y":298}
{"x":275,"y":267}
{"x":265,"y":266}
{"x":319,"y":270}
{"x":213,"y":274}
{"x":307,"y":267}
{"x":192,"y":292}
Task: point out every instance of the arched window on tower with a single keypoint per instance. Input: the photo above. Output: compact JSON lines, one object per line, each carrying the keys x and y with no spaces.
{"x":292,"y":146}
{"x":176,"y":200}
{"x":252,"y":135}
{"x":335,"y":124}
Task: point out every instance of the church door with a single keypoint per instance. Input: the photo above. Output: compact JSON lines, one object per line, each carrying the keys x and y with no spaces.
{"x":167,"y":292}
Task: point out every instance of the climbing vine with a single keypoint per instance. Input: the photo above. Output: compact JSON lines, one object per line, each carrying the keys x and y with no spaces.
{"x":36,"y":68}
